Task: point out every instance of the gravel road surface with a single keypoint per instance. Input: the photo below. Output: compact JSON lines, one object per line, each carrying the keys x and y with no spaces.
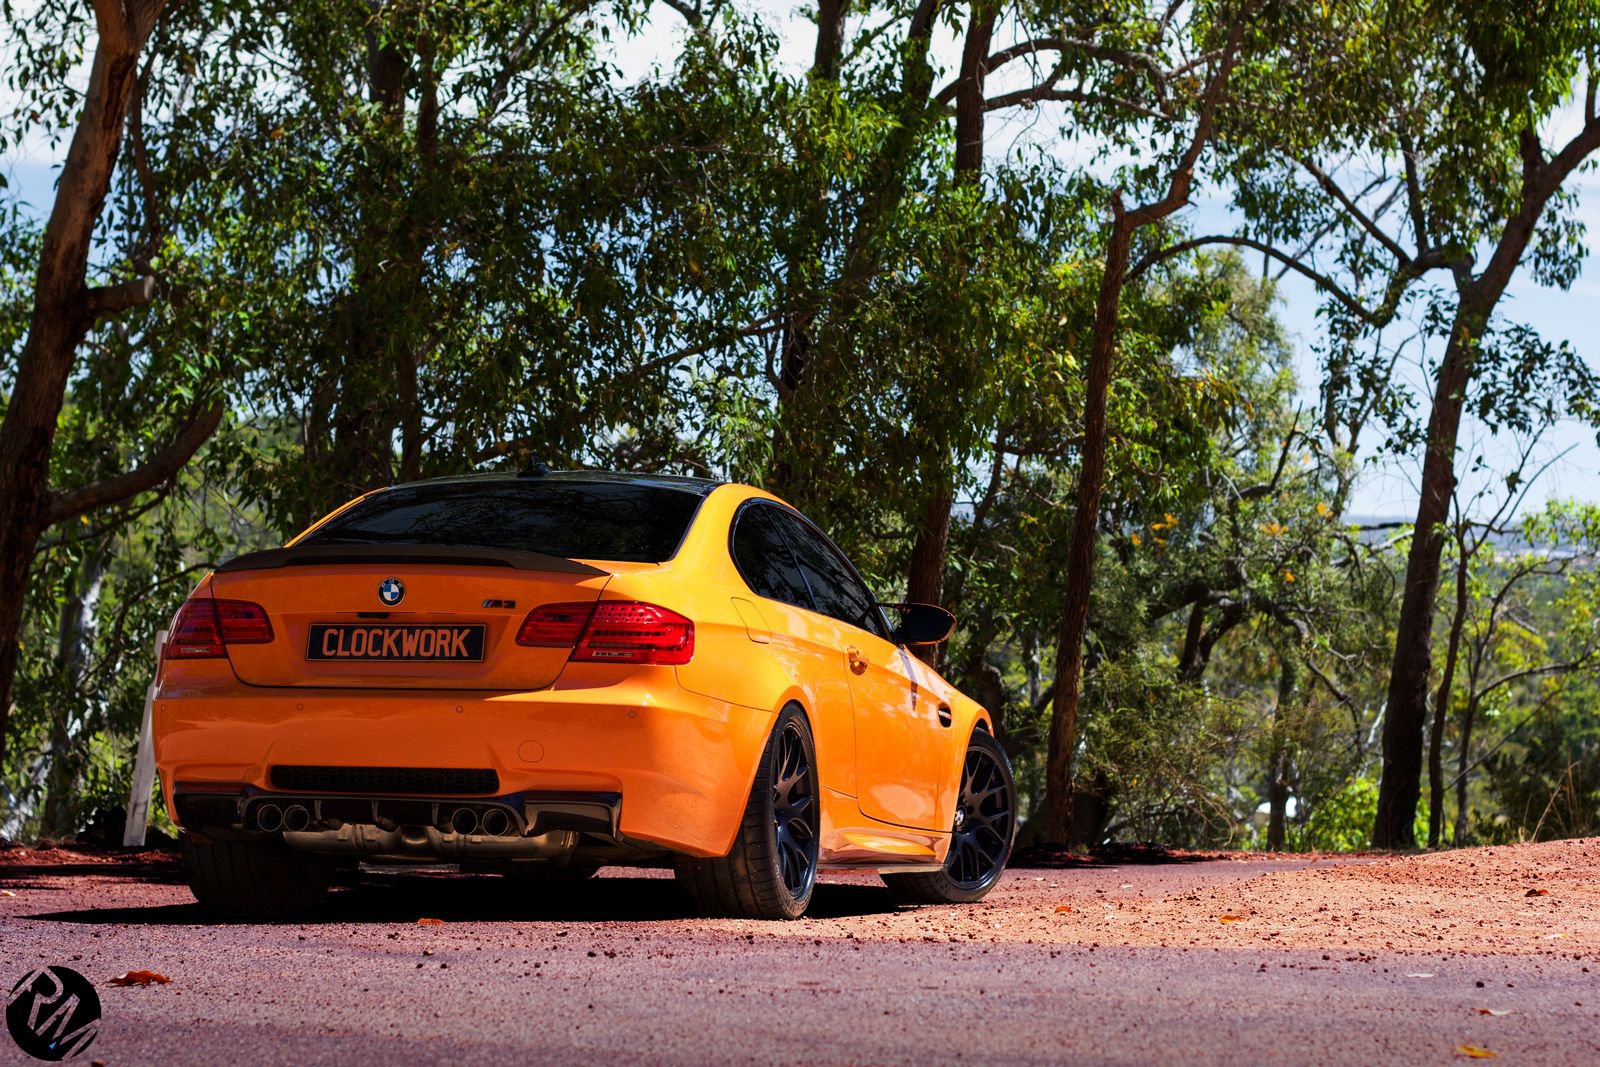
{"x":1239,"y":960}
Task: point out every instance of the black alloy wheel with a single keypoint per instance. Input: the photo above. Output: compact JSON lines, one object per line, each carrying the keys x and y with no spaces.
{"x":981,"y":834}
{"x":771,"y":870}
{"x":980,"y":840}
{"x":794,"y":811}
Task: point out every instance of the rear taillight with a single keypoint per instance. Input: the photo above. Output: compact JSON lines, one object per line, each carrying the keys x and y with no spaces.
{"x":612,"y":631}
{"x":623,"y":631}
{"x":205,"y":627}
{"x":554,"y":625}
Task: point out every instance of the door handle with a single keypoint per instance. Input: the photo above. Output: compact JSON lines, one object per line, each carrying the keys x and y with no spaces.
{"x":945,"y":716}
{"x":858,"y":662}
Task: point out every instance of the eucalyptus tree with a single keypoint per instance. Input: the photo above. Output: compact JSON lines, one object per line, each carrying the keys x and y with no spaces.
{"x":421,"y":183}
{"x":1522,"y":623}
{"x":84,"y":280}
{"x":1395,"y":139}
{"x":1419,"y":139}
{"x":915,"y":141}
{"x":1165,"y":55}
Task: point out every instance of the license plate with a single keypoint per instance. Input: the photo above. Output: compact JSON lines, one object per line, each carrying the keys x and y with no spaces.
{"x":407,"y":641}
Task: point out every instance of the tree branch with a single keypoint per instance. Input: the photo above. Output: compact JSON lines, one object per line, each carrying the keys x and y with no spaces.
{"x":1353,"y":305}
{"x":1331,"y":187}
{"x":1251,"y":492}
{"x":70,"y":503}
{"x":1046,"y":91}
{"x":1419,"y":217}
{"x":1183,"y":174}
{"x":141,"y":167}
{"x":1002,"y":57}
{"x":107,"y":300}
{"x":690,"y":12}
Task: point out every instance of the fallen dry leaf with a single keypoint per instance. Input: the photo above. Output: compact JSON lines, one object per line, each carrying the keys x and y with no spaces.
{"x":1476,"y":1052}
{"x":430,"y":922}
{"x":1537,"y":893}
{"x":1231,"y":919}
{"x":1494,"y":1011}
{"x":6,"y":893}
{"x":1063,"y":909}
{"x":141,"y":978}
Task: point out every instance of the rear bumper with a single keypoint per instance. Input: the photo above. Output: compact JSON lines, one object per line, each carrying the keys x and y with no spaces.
{"x":679,"y":764}
{"x":519,"y":826}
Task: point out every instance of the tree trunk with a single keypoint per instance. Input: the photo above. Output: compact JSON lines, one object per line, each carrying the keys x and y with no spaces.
{"x":808,"y":340}
{"x":1278,"y":772}
{"x":63,"y":311}
{"x":970,"y":93}
{"x":925,"y":579}
{"x":795,"y":342}
{"x":1407,"y":705}
{"x":1406,"y":708}
{"x":72,"y":638}
{"x":1079,"y":574}
{"x":1441,"y":703}
{"x":377,"y":384}
{"x":1463,"y":768}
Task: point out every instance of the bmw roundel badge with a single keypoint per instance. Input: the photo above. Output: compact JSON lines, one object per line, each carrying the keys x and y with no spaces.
{"x":391,"y":591}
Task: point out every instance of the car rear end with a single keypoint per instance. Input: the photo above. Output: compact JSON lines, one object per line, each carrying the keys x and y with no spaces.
{"x":479,"y":670}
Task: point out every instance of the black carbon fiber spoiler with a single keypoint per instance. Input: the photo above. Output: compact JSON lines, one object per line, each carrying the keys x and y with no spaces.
{"x":399,"y":555}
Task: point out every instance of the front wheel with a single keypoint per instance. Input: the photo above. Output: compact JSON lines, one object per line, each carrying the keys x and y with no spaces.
{"x":980,"y":839}
{"x":772,"y":867}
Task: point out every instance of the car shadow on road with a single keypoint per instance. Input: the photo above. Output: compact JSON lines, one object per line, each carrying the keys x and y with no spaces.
{"x":41,"y":875}
{"x":380,"y":897}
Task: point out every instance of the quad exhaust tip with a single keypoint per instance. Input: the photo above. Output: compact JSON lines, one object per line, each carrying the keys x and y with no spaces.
{"x":269,"y":817}
{"x":464,"y":821}
{"x":491,"y":822}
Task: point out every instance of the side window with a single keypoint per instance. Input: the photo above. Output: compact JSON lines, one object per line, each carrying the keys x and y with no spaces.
{"x":834,"y":585}
{"x":763,"y":558}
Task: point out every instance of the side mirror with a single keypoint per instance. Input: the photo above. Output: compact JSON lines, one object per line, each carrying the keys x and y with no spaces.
{"x":922,"y":624}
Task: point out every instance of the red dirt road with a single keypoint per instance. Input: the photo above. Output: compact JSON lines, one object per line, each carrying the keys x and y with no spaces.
{"x":1352,"y":960}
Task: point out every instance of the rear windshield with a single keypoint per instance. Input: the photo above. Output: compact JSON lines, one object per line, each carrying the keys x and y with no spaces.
{"x":577,"y":520}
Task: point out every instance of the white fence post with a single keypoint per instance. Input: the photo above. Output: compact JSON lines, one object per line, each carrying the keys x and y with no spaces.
{"x":144,"y":765}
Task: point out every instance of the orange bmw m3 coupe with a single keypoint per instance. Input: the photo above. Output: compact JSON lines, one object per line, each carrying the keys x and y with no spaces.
{"x":540,"y":674}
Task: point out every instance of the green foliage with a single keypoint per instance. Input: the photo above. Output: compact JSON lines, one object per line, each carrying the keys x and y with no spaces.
{"x":1160,"y":748}
{"x":407,"y":239}
{"x":1342,"y":821}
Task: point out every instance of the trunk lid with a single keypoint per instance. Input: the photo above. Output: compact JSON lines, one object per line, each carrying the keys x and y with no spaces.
{"x":330,"y":618}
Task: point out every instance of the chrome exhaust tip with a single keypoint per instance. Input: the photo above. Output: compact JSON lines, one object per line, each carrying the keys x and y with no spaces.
{"x":496,"y":822}
{"x":464,"y":821}
{"x":296,"y":818}
{"x":269,"y":817}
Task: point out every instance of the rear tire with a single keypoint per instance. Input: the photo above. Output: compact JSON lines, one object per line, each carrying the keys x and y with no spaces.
{"x":772,"y":868}
{"x":981,"y":840}
{"x":254,"y":879}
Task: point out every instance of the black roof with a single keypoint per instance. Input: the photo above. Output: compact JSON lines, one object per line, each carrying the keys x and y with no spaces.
{"x":683,"y":483}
